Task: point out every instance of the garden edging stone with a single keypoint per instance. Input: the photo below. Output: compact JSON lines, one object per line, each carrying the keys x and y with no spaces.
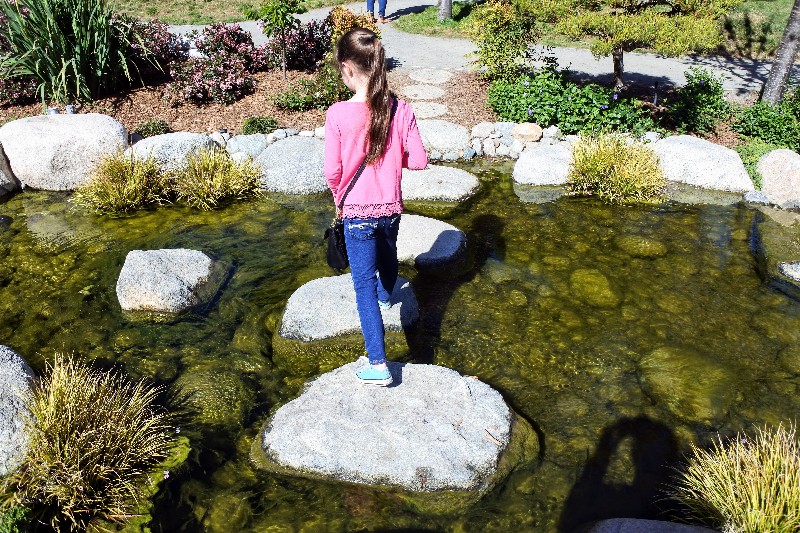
{"x":171,"y":150}
{"x":16,"y":380}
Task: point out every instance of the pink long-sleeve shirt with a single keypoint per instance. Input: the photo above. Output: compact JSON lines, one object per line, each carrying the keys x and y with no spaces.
{"x":377,"y":192}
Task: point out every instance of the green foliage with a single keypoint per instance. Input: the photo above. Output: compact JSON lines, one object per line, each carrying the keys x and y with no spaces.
{"x":503,"y":32}
{"x":772,"y":124}
{"x":616,"y":169}
{"x":549,"y":97}
{"x":15,"y":519}
{"x":211,"y":178}
{"x":750,"y":484}
{"x":320,"y":92}
{"x":121,"y":184}
{"x":278,"y":18}
{"x":259,"y":125}
{"x":75,"y":50}
{"x":751,"y":151}
{"x":94,"y":437}
{"x":700,"y":104}
{"x":150,"y":128}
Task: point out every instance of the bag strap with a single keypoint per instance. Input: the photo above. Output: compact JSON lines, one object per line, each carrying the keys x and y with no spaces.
{"x":363,"y":164}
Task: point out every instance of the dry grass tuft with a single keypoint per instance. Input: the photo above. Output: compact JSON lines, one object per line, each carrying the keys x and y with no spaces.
{"x":211,"y":178}
{"x":121,"y":185}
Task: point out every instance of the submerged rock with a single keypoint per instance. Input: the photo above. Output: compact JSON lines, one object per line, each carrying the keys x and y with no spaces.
{"x":433,"y":431}
{"x":293,"y":166}
{"x":428,"y":243}
{"x":692,"y":386}
{"x":58,"y":152}
{"x":168,"y":281}
{"x":637,"y":246}
{"x":16,"y":378}
{"x":171,"y":150}
{"x":439,"y":183}
{"x":591,"y":286}
{"x":635,"y":525}
{"x":777,"y":249}
{"x":701,"y":163}
{"x":218,"y":399}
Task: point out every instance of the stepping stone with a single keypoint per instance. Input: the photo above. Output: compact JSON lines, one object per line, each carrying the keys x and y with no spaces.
{"x":428,"y":109}
{"x":171,"y":150}
{"x":16,"y":379}
{"x":428,"y":243}
{"x":432,"y":432}
{"x":543,"y":164}
{"x":422,"y":92}
{"x":320,"y":329}
{"x":168,"y":281}
{"x":443,"y":136}
{"x":430,"y":75}
{"x":439,"y":183}
{"x":293,"y":166}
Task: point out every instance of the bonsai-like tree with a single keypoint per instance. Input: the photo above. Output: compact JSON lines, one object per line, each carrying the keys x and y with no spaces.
{"x":670,"y":27}
{"x":278,"y":17}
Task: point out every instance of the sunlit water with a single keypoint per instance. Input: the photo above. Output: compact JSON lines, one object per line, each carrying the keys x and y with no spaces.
{"x":621,"y":333}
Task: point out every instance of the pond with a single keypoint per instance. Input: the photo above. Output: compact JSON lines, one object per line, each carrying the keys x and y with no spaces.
{"x":621,"y":333}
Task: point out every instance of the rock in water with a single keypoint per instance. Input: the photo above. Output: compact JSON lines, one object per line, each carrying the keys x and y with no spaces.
{"x":701,"y":163}
{"x":16,"y":378}
{"x":439,"y":183}
{"x":293,"y":166}
{"x":168,"y":281}
{"x":591,"y":286}
{"x":543,"y":164}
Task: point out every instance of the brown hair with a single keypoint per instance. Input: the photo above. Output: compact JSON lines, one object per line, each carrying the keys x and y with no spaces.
{"x":364,"y":49}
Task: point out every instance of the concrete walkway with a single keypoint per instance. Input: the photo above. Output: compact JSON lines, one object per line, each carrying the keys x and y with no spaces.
{"x":740,"y":76}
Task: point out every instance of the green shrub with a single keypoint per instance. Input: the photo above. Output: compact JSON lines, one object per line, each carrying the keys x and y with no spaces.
{"x":122,"y":184}
{"x":747,"y":485}
{"x":320,"y":92}
{"x":503,"y":33}
{"x":153,"y":127}
{"x":15,"y":519}
{"x":94,"y":437}
{"x":264,"y":125}
{"x":771,"y":124}
{"x":616,"y":169}
{"x":700,"y":104}
{"x":212,"y":178}
{"x":548,"y":97}
{"x":750,"y":152}
{"x":75,"y":50}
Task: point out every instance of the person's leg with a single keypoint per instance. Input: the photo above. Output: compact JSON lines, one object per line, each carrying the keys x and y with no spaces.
{"x":381,"y":9}
{"x":359,"y":235}
{"x":371,"y":6}
{"x":387,"y":256}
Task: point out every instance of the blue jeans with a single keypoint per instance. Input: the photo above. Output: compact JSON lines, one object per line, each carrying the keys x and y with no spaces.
{"x":381,"y":7}
{"x":372,"y":249}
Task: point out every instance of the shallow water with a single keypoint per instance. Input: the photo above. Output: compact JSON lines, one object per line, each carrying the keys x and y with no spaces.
{"x":621,"y":333}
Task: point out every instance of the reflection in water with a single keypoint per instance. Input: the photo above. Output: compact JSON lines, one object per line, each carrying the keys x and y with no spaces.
{"x":590,"y":320}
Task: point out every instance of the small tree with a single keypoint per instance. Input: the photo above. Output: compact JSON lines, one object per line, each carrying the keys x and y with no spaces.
{"x":278,"y":17}
{"x":784,"y":58}
{"x":670,"y":27}
{"x":503,"y":32}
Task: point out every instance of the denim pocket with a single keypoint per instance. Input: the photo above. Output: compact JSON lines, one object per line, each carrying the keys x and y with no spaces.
{"x":361,"y":228}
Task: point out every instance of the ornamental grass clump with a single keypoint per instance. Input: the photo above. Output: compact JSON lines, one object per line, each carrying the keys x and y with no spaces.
{"x":122,"y":184}
{"x":616,"y":169}
{"x":94,"y":437}
{"x":211,"y":179}
{"x":748,"y":485}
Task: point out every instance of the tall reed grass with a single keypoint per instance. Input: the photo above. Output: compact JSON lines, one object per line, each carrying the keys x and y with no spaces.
{"x":750,"y":484}
{"x":94,"y":438}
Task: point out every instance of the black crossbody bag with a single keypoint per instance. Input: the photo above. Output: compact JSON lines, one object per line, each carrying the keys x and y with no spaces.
{"x":334,"y":234}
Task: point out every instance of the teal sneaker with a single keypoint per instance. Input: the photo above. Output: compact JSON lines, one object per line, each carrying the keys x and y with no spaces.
{"x":384,"y":304}
{"x":371,"y":375}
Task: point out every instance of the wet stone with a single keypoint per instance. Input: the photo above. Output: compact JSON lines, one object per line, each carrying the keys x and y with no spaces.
{"x":216,"y":398}
{"x":428,"y":243}
{"x":790,"y":270}
{"x":591,"y":286}
{"x":637,"y":246}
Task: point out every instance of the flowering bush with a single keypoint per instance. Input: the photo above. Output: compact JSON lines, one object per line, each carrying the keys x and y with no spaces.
{"x":306,"y":46}
{"x":154,"y":48}
{"x":230,"y":40}
{"x":549,"y":97}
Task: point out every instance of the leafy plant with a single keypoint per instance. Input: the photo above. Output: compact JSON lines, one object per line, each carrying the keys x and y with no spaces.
{"x":120,"y":185}
{"x":73,"y":49}
{"x":750,"y":484}
{"x":259,"y":125}
{"x":772,"y":124}
{"x":94,"y":436}
{"x":751,"y":151}
{"x":700,"y":104}
{"x":343,"y":20}
{"x":15,"y":519}
{"x":306,"y":46}
{"x":319,"y":92}
{"x":503,"y":33}
{"x":616,"y":169}
{"x":277,"y":17}
{"x":153,"y":127}
{"x":548,"y":97}
{"x":212,"y":178}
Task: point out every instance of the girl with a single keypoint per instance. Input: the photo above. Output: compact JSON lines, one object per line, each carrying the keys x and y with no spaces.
{"x":363,"y":129}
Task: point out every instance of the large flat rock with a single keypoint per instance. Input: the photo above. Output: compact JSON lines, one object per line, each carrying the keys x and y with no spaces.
{"x":169,"y":280}
{"x":59,"y":152}
{"x":701,"y":163}
{"x":780,"y":171}
{"x":543,"y":164}
{"x":443,"y":136}
{"x":293,"y":166}
{"x":438,"y":183}
{"x":171,"y":150}
{"x":16,"y":378}
{"x":433,"y":430}
{"x":428,"y":243}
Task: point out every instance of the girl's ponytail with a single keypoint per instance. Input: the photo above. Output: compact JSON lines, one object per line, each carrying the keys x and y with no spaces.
{"x":364,"y":48}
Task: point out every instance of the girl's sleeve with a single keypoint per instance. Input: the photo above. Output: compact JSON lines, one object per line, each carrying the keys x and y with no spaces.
{"x":332,"y":166}
{"x":415,"y":158}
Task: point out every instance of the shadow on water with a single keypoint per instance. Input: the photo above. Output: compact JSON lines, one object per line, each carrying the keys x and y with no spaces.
{"x":652,"y":448}
{"x":434,"y":291}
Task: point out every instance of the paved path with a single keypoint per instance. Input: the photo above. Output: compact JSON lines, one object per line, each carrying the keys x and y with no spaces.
{"x":404,"y":50}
